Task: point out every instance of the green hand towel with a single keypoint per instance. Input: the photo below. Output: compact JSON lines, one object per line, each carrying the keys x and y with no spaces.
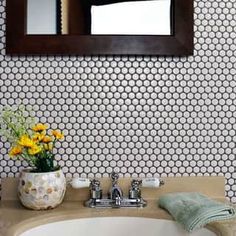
{"x":194,"y":210}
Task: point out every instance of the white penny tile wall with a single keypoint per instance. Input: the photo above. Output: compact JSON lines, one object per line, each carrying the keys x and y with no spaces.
{"x":142,"y":116}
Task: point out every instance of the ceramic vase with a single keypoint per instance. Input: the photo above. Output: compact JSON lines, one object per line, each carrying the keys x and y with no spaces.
{"x":41,"y":191}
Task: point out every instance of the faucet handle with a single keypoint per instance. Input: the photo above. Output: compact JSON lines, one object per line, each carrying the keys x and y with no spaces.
{"x":135,"y":192}
{"x":95,"y":184}
{"x":77,"y":182}
{"x":152,"y":182}
{"x":135,"y":184}
{"x":95,"y":189}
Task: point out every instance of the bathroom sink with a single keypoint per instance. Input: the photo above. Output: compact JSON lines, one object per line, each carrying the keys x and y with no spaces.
{"x":115,"y":226}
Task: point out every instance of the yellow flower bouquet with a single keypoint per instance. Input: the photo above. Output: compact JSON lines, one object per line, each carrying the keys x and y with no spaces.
{"x":30,"y":141}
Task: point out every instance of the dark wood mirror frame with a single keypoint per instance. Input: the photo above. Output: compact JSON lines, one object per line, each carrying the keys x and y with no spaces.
{"x":180,"y":43}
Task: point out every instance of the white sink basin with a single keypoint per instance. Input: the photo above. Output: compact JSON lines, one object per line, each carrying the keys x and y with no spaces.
{"x":113,"y":226}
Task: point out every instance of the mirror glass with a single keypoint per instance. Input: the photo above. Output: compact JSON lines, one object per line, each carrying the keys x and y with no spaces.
{"x":41,"y":17}
{"x":99,"y":17}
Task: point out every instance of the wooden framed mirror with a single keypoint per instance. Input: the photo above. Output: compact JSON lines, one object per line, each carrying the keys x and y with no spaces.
{"x":79,"y":28}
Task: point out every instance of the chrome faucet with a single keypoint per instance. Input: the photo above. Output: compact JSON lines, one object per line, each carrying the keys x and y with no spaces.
{"x":115,"y":192}
{"x":115,"y":198}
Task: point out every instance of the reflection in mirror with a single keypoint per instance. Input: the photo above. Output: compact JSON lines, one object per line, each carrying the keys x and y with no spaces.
{"x":99,"y":17}
{"x":132,"y":18}
{"x":41,"y":17}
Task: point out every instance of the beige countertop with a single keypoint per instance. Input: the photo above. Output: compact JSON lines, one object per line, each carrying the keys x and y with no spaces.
{"x":14,"y":218}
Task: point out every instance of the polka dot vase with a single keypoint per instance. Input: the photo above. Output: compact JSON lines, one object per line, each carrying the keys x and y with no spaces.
{"x":41,"y":191}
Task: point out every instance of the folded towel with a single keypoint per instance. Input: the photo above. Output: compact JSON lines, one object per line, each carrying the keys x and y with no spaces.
{"x":194,"y":210}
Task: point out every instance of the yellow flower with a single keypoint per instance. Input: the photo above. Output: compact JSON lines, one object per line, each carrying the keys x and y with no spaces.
{"x":16,"y":150}
{"x":57,"y":134}
{"x":38,"y":137}
{"x":47,"y":139}
{"x":34,"y":150}
{"x":25,"y":141}
{"x":39,"y":127}
{"x":48,"y":146}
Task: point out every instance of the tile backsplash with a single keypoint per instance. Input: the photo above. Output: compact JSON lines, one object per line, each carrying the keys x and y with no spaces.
{"x":142,"y":116}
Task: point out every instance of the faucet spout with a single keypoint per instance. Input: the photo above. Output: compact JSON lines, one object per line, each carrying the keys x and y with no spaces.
{"x":115,"y":192}
{"x":116,"y":196}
